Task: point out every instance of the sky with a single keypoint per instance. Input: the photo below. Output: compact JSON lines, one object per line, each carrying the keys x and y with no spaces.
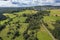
{"x":27,"y":3}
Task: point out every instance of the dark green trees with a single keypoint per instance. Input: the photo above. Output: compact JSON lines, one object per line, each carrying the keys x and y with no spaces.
{"x":35,"y":21}
{"x":56,"y":31}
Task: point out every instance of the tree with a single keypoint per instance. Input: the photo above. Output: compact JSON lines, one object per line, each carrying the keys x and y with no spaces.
{"x":1,"y":38}
{"x":56,"y":31}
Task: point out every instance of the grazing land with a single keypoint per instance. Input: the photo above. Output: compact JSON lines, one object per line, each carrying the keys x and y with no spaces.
{"x":27,"y":25}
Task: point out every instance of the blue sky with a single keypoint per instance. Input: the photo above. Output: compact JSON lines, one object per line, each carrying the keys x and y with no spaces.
{"x":25,"y":3}
{"x":57,"y":1}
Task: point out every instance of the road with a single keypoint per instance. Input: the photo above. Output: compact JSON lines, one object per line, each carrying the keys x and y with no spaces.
{"x":48,"y":32}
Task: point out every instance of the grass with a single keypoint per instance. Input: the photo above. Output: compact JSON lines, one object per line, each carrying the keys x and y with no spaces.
{"x":3,"y":21}
{"x":43,"y":35}
{"x":9,"y":15}
{"x":52,"y":18}
{"x":26,"y":12}
{"x":23,"y":27}
{"x":55,"y":12}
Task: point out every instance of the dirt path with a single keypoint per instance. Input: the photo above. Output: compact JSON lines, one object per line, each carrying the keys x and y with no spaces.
{"x":48,"y":32}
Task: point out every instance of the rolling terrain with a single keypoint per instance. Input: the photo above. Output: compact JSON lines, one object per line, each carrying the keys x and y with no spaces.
{"x":27,"y":25}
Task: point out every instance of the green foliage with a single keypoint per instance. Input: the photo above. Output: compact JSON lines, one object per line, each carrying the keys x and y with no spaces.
{"x":56,"y":31}
{"x":52,"y":22}
{"x":23,"y":25}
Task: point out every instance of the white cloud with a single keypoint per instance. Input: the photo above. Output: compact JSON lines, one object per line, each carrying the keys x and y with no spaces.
{"x":7,"y":4}
{"x":24,"y":3}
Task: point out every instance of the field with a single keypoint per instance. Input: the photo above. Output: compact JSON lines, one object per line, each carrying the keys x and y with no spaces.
{"x":52,"y":22}
{"x":15,"y":26}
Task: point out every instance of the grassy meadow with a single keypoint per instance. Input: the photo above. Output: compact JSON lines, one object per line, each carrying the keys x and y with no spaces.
{"x":16,"y":26}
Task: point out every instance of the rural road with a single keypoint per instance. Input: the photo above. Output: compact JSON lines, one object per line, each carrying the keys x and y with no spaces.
{"x":48,"y":32}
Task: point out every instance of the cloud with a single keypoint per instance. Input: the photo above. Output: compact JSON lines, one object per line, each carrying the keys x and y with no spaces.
{"x":57,"y":1}
{"x":27,"y":3}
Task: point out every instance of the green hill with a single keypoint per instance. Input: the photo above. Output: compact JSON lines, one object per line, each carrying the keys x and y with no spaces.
{"x":25,"y":25}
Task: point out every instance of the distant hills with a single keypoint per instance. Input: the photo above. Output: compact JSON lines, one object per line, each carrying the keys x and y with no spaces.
{"x":15,"y":9}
